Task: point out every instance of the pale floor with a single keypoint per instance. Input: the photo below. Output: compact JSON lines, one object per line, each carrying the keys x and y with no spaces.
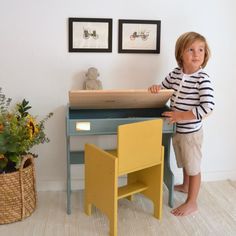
{"x":216,"y":216}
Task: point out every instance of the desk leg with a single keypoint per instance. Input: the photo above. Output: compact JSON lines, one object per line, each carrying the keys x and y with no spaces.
{"x":168,"y":175}
{"x":68,"y":176}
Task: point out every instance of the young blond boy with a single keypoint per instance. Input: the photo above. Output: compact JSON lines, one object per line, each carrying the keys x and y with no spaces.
{"x":191,"y":102}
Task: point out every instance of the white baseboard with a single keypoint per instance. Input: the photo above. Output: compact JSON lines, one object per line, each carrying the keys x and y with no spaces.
{"x":78,"y":183}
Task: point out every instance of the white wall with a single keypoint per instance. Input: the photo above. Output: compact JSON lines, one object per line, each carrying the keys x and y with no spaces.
{"x":35,"y":64}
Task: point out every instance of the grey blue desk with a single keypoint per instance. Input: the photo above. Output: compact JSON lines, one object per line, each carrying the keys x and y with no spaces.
{"x":105,"y":122}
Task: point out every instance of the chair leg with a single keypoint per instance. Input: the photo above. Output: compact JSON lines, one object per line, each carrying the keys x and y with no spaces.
{"x":88,"y":208}
{"x":113,"y":224}
{"x":157,"y":203}
{"x":157,"y":199}
{"x":153,"y":178}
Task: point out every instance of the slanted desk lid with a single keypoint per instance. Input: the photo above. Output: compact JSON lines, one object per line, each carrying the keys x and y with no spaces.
{"x":99,"y":99}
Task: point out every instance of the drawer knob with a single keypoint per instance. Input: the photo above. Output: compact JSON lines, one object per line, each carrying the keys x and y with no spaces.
{"x":82,"y":126}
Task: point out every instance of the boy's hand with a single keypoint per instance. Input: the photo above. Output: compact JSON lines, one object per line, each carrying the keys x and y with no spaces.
{"x":154,"y":88}
{"x":175,"y":116}
{"x":172,"y":116}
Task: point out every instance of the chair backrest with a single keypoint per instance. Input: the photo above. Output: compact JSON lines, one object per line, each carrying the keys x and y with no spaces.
{"x":139,"y":145}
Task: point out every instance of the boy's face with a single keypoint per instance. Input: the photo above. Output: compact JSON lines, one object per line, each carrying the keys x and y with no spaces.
{"x":193,"y":57}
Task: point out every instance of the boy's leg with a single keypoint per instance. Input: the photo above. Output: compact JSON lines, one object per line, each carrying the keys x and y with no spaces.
{"x":190,"y":204}
{"x":183,"y":187}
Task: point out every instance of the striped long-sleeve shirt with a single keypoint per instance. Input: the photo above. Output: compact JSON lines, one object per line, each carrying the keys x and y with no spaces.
{"x":191,"y":92}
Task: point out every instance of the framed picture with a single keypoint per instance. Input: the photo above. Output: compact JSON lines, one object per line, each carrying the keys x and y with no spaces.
{"x":90,"y":35}
{"x":139,"y":36}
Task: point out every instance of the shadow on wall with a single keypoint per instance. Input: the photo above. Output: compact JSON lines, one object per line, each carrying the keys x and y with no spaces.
{"x":52,"y":161}
{"x":78,"y":80}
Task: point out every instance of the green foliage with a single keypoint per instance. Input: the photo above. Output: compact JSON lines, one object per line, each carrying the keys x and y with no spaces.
{"x":19,"y":132}
{"x":23,"y":108}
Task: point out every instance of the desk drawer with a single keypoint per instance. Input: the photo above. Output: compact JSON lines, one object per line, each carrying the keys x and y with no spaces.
{"x":106,"y":126}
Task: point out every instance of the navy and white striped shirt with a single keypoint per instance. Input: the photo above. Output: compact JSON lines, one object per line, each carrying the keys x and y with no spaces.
{"x":191,"y":92}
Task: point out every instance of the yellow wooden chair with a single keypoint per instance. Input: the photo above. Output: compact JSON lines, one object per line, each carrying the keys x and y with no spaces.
{"x":140,"y":155}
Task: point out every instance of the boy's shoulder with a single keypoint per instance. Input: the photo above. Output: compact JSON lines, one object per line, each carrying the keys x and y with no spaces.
{"x":176,"y":71}
{"x":203,"y":74}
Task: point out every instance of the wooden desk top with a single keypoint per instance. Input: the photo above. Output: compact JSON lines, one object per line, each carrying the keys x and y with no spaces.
{"x":131,"y":98}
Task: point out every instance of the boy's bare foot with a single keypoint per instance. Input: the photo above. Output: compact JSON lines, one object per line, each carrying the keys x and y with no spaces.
{"x":181,"y":188}
{"x":185,"y":209}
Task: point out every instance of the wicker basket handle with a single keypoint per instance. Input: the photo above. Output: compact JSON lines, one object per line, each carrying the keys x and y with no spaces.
{"x":25,"y":159}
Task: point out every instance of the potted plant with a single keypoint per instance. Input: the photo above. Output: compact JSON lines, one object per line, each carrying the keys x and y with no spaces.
{"x":19,"y":132}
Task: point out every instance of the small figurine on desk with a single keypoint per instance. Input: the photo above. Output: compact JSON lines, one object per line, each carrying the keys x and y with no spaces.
{"x":91,"y":82}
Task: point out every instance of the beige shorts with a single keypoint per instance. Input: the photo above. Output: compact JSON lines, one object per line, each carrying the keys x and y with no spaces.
{"x":188,"y":151}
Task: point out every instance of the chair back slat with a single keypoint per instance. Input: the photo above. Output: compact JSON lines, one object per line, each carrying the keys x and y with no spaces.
{"x":139,"y":145}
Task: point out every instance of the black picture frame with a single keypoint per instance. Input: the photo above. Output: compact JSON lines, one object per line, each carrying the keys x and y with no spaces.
{"x":90,"y":34}
{"x":139,"y":36}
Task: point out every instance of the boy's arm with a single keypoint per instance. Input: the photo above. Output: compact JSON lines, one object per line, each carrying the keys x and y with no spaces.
{"x":175,"y":116}
{"x":207,"y":103}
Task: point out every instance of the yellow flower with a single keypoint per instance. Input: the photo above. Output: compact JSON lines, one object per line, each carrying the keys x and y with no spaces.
{"x":32,"y":126}
{"x":1,"y":127}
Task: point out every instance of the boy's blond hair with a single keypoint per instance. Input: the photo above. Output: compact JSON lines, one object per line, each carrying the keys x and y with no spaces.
{"x":184,"y":41}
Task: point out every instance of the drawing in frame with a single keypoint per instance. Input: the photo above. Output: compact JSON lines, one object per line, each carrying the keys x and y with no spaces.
{"x":139,"y":36}
{"x":90,"y":35}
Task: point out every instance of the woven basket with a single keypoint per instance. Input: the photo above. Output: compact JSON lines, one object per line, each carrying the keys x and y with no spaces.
{"x":18,"y":192}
